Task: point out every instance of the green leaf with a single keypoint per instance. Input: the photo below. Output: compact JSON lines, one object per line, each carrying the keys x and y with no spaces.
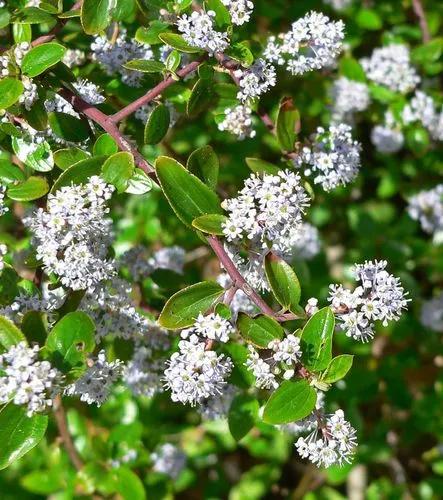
{"x":241,"y":53}
{"x":259,"y":330}
{"x":118,"y":169}
{"x":19,"y":433}
{"x":33,"y":15}
{"x":42,"y":57}
{"x":145,"y":66}
{"x":203,"y":162}
{"x":139,"y":183}
{"x":177,"y":42}
{"x":382,"y":94}
{"x":8,"y":285}
{"x":105,"y":145}
{"x":316,"y":340}
{"x":352,"y":69}
{"x":33,"y":327}
{"x":70,"y":340}
{"x":223,"y":310}
{"x":32,"y":188}
{"x":288,"y":121}
{"x":151,"y":34}
{"x":260,"y":166}
{"x":68,"y":127}
{"x":428,"y":53}
{"x":202,"y":96}
{"x":79,"y":173}
{"x":242,"y":415}
{"x":65,"y":158}
{"x":183,"y":308}
{"x":157,"y":125}
{"x":10,"y":91}
{"x":41,"y":158}
{"x":187,"y":194}
{"x":292,"y":401}
{"x":173,"y":60}
{"x":240,"y":375}
{"x":211,"y":224}
{"x":222,"y":16}
{"x":95,"y":15}
{"x":129,"y":485}
{"x":10,"y":335}
{"x":337,"y":368}
{"x":37,"y":116}
{"x":10,"y":173}
{"x":284,"y":282}
{"x":369,"y":19}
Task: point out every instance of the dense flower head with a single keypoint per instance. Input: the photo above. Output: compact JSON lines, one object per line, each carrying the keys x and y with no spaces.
{"x":25,"y":380}
{"x":348,"y":97}
{"x":334,"y":157}
{"x":217,"y":407}
{"x":73,"y":235}
{"x":169,"y":460}
{"x":112,"y":55}
{"x":427,"y":208}
{"x":333,"y":444}
{"x":212,"y":327}
{"x":255,"y":80}
{"x":95,"y":385}
{"x":74,"y":58}
{"x":262,"y":371}
{"x":240,"y":302}
{"x":287,"y":350}
{"x":198,"y":30}
{"x":238,"y":121}
{"x":268,"y":207}
{"x":379,"y":296}
{"x":3,"y":252}
{"x":422,"y":109}
{"x":144,"y":372}
{"x":3,"y":207}
{"x":89,"y":91}
{"x":313,"y":42}
{"x":29,"y":95}
{"x":391,"y":66}
{"x":302,"y":242}
{"x":194,"y":373}
{"x":387,"y":138}
{"x":240,"y":10}
{"x":432,"y":313}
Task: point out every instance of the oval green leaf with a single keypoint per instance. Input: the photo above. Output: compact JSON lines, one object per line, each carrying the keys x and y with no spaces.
{"x":157,"y":125}
{"x":10,"y":335}
{"x":316,"y":340}
{"x":95,"y":15}
{"x":32,"y":188}
{"x":337,"y":368}
{"x":118,"y":169}
{"x":211,"y":224}
{"x":145,"y":66}
{"x":203,"y":162}
{"x":42,"y":57}
{"x":242,"y":415}
{"x":260,"y":330}
{"x":10,"y":91}
{"x":284,"y":282}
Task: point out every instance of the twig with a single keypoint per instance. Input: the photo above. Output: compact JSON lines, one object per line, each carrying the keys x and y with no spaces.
{"x":420,"y":13}
{"x":62,"y":425}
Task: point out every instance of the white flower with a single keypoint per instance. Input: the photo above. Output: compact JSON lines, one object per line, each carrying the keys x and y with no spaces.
{"x":387,"y":139}
{"x":348,"y":97}
{"x":194,"y":373}
{"x":198,"y":30}
{"x":380,"y":297}
{"x":3,"y":207}
{"x":334,"y":157}
{"x":3,"y":252}
{"x":217,"y":407}
{"x":212,"y":327}
{"x":302,"y":242}
{"x":144,"y":372}
{"x":432,"y":313}
{"x":286,"y":350}
{"x":427,"y":208}
{"x":264,"y":377}
{"x":169,"y":460}
{"x":27,"y":381}
{"x":255,"y":80}
{"x":390,"y":66}
{"x":333,"y":444}
{"x":29,"y":94}
{"x":94,"y":386}
{"x":238,"y":121}
{"x":312,"y":43}
{"x":422,"y":109}
{"x":89,"y":92}
{"x":240,"y":10}
{"x":74,"y":58}
{"x":267,"y":208}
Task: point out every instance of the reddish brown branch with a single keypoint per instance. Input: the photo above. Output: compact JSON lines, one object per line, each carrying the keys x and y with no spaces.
{"x":62,"y":425}
{"x":420,"y":13}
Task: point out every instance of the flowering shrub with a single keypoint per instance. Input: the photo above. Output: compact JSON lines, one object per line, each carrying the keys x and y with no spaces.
{"x":220,"y":249}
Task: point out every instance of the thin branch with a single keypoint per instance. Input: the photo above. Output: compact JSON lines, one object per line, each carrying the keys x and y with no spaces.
{"x":420,"y":13}
{"x":62,"y":425}
{"x":154,"y":92}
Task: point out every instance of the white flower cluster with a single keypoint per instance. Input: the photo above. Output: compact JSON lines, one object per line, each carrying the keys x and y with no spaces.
{"x":391,"y":66}
{"x":387,"y":138}
{"x":29,"y":94}
{"x":109,"y":305}
{"x":348,"y":97}
{"x":240,"y":10}
{"x":217,"y":407}
{"x":113,"y":55}
{"x":14,"y":57}
{"x":141,"y":265}
{"x":198,"y":30}
{"x":267,"y":208}
{"x":422,"y":109}
{"x":251,"y":267}
{"x":380,"y":296}
{"x":27,"y":381}
{"x":169,"y":460}
{"x":238,"y":121}
{"x":255,"y":80}
{"x":335,"y":444}
{"x":427,"y":208}
{"x":3,"y":207}
{"x":302,"y":242}
{"x":60,"y":104}
{"x":240,"y":302}
{"x":432,"y":313}
{"x":334,"y":157}
{"x":48,"y":303}
{"x":286,"y":351}
{"x":74,"y":58}
{"x":95,"y":384}
{"x":212,"y":327}
{"x":3,"y":252}
{"x":194,"y":373}
{"x":313,"y":42}
{"x":73,"y":235}
{"x":89,"y":92}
